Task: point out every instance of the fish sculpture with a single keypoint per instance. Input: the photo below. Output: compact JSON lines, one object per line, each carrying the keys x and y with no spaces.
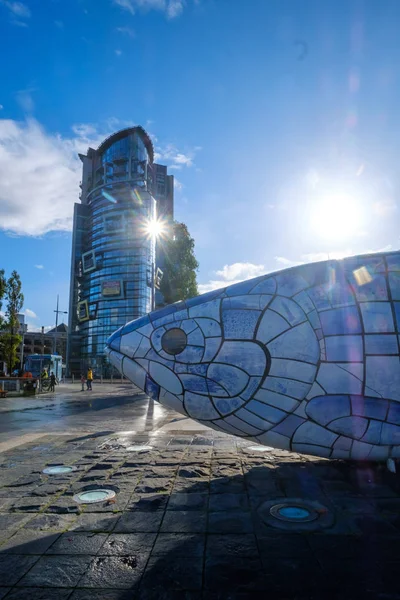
{"x":305,"y":359}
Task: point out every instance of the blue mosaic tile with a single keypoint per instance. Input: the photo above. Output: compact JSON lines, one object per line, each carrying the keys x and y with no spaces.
{"x":319,"y":297}
{"x":374,"y":290}
{"x":394,"y":283}
{"x":157,"y":337}
{"x":171,"y":401}
{"x":311,"y":433}
{"x":373,"y":433}
{"x":340,"y":320}
{"x":393,"y":262}
{"x":324,"y":409}
{"x":314,"y":319}
{"x":343,"y":443}
{"x":360,"y":450}
{"x":277,"y":400}
{"x":297,"y":343}
{"x":188,"y":325}
{"x":344,"y":348}
{"x":267,"y":286}
{"x":215,"y":389}
{"x":397,"y":313}
{"x":162,"y":312}
{"x":115,"y":339}
{"x":152,"y":389}
{"x":232,"y":379}
{"x":226,"y":406}
{"x":390,"y":434}
{"x":152,"y":355}
{"x":199,"y":407}
{"x":335,"y":380}
{"x":191,"y":354}
{"x":248,"y":301}
{"x":264,"y":300}
{"x":195,"y":338}
{"x":377,"y":317}
{"x":146,"y":330}
{"x":132,"y":325}
{"x":304,"y":301}
{"x":143,"y":348}
{"x":239,"y":289}
{"x":254,"y":420}
{"x":340,"y":295}
{"x":269,"y":413}
{"x":239,"y":324}
{"x":209,"y":310}
{"x":394,"y":413}
{"x":381,"y":344}
{"x":290,"y":284}
{"x":194,"y":383}
{"x":289,"y":310}
{"x":383,"y":376}
{"x":181,"y":314}
{"x":212,"y":346}
{"x":292,"y":369}
{"x":134,"y":372}
{"x":374,"y":408}
{"x":353,"y":427}
{"x":246,"y":355}
{"x":242,"y":425}
{"x":276,"y":440}
{"x":288,"y":387}
{"x":204,"y":298}
{"x":312,"y":449}
{"x":209,"y":327}
{"x":251,"y":388}
{"x":289,"y":425}
{"x":169,"y":318}
{"x":165,"y":378}
{"x":270,"y":326}
{"x":197,"y":369}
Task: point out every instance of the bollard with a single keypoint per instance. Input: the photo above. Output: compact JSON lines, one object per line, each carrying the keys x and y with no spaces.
{"x":18,"y":386}
{"x":101,"y":379}
{"x":73,"y":378}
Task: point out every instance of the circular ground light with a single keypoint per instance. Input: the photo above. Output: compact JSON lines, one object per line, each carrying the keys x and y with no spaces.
{"x":93,"y":496}
{"x":290,"y":513}
{"x":139,"y":448}
{"x":58,"y":470}
{"x":259,"y":448}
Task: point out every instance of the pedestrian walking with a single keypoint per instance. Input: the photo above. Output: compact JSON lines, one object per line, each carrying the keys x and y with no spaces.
{"x":89,"y":379}
{"x":83,"y":381}
{"x":53,"y":382}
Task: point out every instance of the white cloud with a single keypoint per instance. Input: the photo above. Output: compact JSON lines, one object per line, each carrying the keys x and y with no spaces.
{"x":231,"y":274}
{"x":1,"y":107}
{"x":118,"y":52}
{"x":33,"y":328}
{"x":59,"y":24}
{"x":25,"y":100}
{"x":284,"y":261}
{"x":174,"y":158}
{"x":39,"y":176}
{"x":171,"y":8}
{"x":126,"y":30}
{"x":30,"y":313}
{"x":17,"y":9}
{"x":126,"y":5}
{"x":178,"y":185}
{"x":39,"y":267}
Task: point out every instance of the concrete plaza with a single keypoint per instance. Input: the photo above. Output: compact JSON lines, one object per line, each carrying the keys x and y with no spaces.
{"x":191,"y":517}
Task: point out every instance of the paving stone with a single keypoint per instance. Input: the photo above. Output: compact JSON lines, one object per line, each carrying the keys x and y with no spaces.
{"x":230,"y":522}
{"x":3,"y":592}
{"x":148,"y":502}
{"x":49,"y":489}
{"x":224,"y":502}
{"x":191,"y":486}
{"x":184,"y":501}
{"x":64,"y":505}
{"x":78,"y":543}
{"x":31,"y":504}
{"x":179,"y":545}
{"x":117,"y":504}
{"x":184,"y":521}
{"x":45,"y":522}
{"x":226,"y":485}
{"x":39,"y":594}
{"x":235,"y":573}
{"x":194,"y":471}
{"x":139,"y":521}
{"x":231,"y":544}
{"x":283,"y":544}
{"x":153,"y":485}
{"x":95,"y":522}
{"x":56,"y":571}
{"x":14,"y":566}
{"x":127,"y":543}
{"x":27,"y":541}
{"x":165,"y":574}
{"x":100,"y":594}
{"x":115,"y":571}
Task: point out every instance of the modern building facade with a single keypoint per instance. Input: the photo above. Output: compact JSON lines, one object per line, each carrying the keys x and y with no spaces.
{"x":113,"y":261}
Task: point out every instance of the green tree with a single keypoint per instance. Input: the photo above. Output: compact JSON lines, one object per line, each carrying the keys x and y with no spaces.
{"x":10,"y":339}
{"x":179,"y":281}
{"x":3,"y":285}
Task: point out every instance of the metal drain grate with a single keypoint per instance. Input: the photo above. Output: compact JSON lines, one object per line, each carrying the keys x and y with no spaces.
{"x":58,"y":470}
{"x":93,"y":496}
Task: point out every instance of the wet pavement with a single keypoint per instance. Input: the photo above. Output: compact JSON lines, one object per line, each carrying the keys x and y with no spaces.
{"x":192,"y":516}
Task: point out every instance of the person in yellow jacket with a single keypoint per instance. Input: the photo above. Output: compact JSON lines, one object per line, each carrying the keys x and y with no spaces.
{"x":89,"y":379}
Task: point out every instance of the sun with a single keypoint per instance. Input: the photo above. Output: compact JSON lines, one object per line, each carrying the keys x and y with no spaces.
{"x":337,"y":216}
{"x":154,"y":228}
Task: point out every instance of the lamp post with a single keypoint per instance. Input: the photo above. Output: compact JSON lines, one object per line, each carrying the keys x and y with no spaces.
{"x":64,"y":312}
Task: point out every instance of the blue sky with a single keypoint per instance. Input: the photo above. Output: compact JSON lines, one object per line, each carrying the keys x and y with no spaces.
{"x":279,"y":118}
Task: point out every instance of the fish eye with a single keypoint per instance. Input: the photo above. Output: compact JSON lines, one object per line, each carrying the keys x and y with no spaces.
{"x":174,"y":341}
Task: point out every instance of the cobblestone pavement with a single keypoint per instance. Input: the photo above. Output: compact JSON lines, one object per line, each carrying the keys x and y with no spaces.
{"x":191,"y":520}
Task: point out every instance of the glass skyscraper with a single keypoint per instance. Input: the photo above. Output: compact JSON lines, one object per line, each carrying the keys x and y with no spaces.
{"x":113,"y":259}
